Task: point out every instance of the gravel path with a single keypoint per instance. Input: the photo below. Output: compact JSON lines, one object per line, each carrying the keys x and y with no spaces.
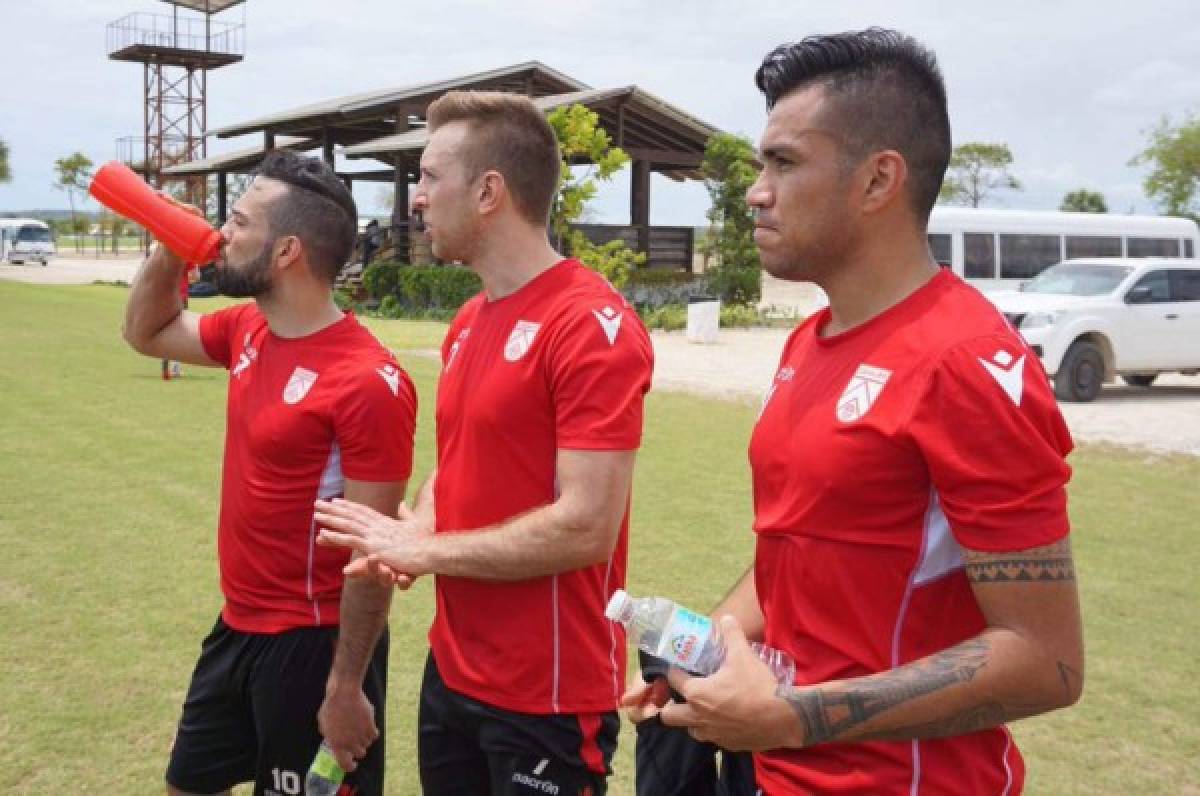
{"x":73,"y":271}
{"x":1164,"y":418}
{"x":740,"y":365}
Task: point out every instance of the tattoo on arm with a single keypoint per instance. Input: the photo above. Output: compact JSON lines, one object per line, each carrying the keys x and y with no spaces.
{"x":1050,"y":563}
{"x":830,"y":712}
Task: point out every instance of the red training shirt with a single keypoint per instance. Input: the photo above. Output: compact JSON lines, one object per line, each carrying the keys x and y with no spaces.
{"x":302,"y":416}
{"x":563,"y":363}
{"x":877,"y":454}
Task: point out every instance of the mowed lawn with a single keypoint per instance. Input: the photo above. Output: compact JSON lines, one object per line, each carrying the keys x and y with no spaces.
{"x":108,"y":579}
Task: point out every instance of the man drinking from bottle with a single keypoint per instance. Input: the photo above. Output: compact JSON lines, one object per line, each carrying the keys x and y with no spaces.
{"x":317,"y":407}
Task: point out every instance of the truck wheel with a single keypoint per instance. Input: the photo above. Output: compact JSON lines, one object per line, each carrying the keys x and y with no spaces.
{"x":1139,"y":379}
{"x":1081,"y":374}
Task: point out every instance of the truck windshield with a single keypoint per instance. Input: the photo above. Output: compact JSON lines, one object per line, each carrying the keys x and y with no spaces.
{"x":33,"y":235}
{"x":1077,"y":279}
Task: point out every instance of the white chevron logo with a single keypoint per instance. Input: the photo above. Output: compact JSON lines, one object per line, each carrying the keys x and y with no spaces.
{"x":391,"y":375}
{"x":1008,"y":374}
{"x":610,"y":321}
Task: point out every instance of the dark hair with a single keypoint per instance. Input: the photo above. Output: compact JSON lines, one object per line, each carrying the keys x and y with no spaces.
{"x":318,"y":209}
{"x":886,"y":92}
{"x":509,"y":134}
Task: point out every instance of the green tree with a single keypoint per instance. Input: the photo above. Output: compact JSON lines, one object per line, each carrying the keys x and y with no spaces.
{"x":729,"y":171}
{"x":582,"y":140}
{"x":977,"y":170}
{"x":5,"y":172}
{"x":1084,"y":201}
{"x":74,"y":174}
{"x":1173,"y":155}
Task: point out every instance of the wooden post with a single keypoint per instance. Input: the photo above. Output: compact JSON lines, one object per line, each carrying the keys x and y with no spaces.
{"x":222,"y":197}
{"x":639,"y":203}
{"x":327,"y":146}
{"x":400,"y":220}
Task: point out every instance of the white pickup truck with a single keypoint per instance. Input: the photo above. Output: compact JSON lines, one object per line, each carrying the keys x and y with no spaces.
{"x":1091,"y":320}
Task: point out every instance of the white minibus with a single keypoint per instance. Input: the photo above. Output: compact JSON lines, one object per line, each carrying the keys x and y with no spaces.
{"x":25,"y":240}
{"x":1000,"y":249}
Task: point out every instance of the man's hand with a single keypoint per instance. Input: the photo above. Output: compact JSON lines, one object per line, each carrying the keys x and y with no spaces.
{"x":347,"y":723}
{"x":387,"y":548}
{"x":643,"y":700}
{"x":735,"y":708}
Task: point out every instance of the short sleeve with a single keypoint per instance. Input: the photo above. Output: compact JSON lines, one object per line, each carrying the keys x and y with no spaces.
{"x":374,"y":423}
{"x":995,"y":444}
{"x":600,"y":366}
{"x":218,"y":332}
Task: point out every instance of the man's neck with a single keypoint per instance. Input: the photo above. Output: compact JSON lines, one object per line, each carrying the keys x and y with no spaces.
{"x":294,"y":311}
{"x":507,"y":261}
{"x":875,"y":278}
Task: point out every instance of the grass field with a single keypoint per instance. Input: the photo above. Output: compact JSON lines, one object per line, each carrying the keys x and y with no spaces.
{"x":108,"y":500}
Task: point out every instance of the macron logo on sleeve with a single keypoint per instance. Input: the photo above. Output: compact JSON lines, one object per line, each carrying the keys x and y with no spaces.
{"x":391,"y":375}
{"x":1008,"y":374}
{"x":610,"y":322}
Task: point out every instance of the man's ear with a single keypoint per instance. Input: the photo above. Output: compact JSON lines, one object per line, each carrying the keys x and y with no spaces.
{"x":288,"y":251}
{"x":492,"y":192}
{"x":884,"y":180}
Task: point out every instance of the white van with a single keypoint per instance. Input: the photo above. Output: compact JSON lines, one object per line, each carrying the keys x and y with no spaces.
{"x":25,"y":240}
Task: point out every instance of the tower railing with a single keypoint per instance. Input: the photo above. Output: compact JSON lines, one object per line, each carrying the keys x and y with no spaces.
{"x":142,"y":29}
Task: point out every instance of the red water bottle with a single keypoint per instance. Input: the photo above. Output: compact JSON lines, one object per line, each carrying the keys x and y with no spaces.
{"x":119,"y":189}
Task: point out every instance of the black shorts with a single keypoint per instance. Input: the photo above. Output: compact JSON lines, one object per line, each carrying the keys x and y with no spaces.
{"x":669,"y":762}
{"x":468,"y":748}
{"x":251,"y":713}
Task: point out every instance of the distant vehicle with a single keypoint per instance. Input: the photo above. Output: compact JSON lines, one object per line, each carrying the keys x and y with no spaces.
{"x":1000,"y":249}
{"x":1091,"y":320}
{"x":25,"y":240}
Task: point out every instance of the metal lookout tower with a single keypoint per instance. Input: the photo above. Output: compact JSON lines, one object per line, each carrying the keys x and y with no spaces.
{"x":176,"y":53}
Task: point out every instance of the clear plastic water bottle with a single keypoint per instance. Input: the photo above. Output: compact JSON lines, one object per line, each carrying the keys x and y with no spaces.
{"x":324,"y":775}
{"x":684,"y":638}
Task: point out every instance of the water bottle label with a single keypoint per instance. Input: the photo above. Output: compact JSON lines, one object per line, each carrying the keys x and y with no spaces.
{"x":326,"y":765}
{"x":684,"y":638}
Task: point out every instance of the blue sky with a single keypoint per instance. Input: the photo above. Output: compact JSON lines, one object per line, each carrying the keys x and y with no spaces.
{"x":1071,"y":86}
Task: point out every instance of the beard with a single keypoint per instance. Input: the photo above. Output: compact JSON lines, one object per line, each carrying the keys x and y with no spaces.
{"x":251,"y":279}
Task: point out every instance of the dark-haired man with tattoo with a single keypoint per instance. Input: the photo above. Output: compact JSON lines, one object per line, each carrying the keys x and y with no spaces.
{"x":317,"y":407}
{"x":909,"y":476}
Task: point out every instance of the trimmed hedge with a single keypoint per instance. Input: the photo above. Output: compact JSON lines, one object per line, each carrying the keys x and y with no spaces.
{"x":437,"y":288}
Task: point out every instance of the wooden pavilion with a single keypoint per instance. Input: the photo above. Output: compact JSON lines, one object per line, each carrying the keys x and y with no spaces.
{"x":388,"y":127}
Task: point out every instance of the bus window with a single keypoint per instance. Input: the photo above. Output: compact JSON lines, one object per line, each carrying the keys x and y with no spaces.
{"x":1187,"y":248}
{"x":979,"y":256}
{"x":1153,"y":247}
{"x":941,"y":248}
{"x":1024,"y":256}
{"x":1078,"y":246}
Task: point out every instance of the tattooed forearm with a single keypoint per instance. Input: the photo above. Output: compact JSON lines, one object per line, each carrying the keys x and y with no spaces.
{"x":1049,"y":563}
{"x":830,"y":712}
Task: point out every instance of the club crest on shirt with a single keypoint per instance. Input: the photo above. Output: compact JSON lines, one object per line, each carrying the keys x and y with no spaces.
{"x":520,"y":340}
{"x":298,"y":385}
{"x":862,"y":391}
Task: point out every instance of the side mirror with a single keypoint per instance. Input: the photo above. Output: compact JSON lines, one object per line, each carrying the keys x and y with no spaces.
{"x":1139,"y":295}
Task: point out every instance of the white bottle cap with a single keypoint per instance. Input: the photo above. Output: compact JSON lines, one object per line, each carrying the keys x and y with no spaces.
{"x":616,"y":605}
